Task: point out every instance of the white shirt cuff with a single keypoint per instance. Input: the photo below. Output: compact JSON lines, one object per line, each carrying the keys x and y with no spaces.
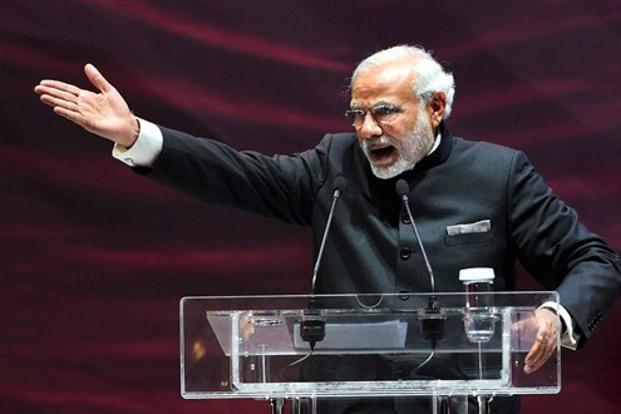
{"x":569,"y":339}
{"x":145,"y":150}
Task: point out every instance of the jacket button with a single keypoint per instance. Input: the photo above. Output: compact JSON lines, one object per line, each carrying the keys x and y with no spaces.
{"x":405,"y":253}
{"x":405,"y":219}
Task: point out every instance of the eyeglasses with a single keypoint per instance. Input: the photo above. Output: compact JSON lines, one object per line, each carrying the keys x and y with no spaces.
{"x":382,"y":113}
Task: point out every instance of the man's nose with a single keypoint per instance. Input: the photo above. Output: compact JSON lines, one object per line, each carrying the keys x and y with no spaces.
{"x":369,"y":127}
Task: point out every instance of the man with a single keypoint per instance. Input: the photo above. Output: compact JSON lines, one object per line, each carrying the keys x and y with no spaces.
{"x":400,"y":100}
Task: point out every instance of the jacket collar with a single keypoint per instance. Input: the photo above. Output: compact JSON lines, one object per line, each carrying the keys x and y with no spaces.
{"x":440,"y":154}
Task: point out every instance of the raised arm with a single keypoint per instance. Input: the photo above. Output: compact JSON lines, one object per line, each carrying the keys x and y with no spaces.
{"x":104,"y":113}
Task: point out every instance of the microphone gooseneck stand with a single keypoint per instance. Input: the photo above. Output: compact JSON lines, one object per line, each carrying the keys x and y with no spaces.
{"x":433,"y":318}
{"x":313,"y":329}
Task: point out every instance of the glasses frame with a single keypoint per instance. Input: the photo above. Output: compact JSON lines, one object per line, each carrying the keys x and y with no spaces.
{"x":357,"y":116}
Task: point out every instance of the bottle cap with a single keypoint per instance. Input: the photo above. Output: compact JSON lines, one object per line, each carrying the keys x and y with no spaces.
{"x":476,"y":274}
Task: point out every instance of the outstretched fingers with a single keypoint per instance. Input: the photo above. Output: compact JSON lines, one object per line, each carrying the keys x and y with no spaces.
{"x":58,"y":94}
{"x":55,"y":92}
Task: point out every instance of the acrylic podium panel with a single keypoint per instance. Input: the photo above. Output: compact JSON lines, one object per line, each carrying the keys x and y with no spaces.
{"x":374,"y":345}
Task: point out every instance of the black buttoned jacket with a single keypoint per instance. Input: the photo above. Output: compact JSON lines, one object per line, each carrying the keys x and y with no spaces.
{"x":371,"y":246}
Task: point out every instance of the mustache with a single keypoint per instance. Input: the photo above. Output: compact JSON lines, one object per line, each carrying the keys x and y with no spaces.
{"x":374,"y":143}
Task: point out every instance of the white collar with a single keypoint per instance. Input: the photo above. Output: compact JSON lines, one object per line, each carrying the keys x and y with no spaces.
{"x":436,"y":143}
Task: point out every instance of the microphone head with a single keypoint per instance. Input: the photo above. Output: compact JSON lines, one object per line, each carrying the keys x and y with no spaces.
{"x":340,"y":183}
{"x":402,"y":187}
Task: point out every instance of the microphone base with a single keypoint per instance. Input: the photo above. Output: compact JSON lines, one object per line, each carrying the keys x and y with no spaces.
{"x":433,"y":324}
{"x":312,"y":331}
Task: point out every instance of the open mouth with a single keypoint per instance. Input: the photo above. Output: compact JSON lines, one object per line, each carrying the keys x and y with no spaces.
{"x":383,"y":154}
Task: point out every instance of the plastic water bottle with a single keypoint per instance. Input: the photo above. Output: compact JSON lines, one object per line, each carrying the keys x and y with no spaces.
{"x":479,"y":317}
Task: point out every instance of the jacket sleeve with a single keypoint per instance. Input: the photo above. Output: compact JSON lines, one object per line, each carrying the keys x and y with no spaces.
{"x":558,"y":250}
{"x":281,"y":186}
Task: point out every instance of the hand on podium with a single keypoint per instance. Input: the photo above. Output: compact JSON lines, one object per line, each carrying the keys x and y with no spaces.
{"x":105,"y":113}
{"x":545,"y":340}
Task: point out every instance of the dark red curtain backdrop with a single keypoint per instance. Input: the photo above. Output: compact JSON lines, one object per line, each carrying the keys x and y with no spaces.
{"x":94,"y":258}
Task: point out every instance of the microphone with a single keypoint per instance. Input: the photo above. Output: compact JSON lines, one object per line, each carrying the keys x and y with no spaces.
{"x":432,"y":318}
{"x":339,"y":184}
{"x":313,"y":330}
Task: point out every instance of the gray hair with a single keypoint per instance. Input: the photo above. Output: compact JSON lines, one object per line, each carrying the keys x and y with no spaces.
{"x":430,"y":76}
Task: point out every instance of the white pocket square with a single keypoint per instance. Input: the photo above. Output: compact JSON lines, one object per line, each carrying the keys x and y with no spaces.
{"x":483,"y":226}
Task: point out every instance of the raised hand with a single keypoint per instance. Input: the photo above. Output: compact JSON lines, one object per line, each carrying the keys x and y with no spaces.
{"x":105,"y":113}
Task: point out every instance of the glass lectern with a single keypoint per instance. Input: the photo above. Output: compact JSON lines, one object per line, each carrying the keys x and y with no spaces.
{"x":300,"y":350}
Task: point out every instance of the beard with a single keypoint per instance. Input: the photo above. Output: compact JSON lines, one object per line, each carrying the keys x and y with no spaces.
{"x":411,"y":148}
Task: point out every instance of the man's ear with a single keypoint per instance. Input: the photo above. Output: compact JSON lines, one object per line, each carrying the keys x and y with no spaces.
{"x":435,"y":108}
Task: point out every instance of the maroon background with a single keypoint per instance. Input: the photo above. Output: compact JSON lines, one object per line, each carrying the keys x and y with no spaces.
{"x":94,"y":259}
